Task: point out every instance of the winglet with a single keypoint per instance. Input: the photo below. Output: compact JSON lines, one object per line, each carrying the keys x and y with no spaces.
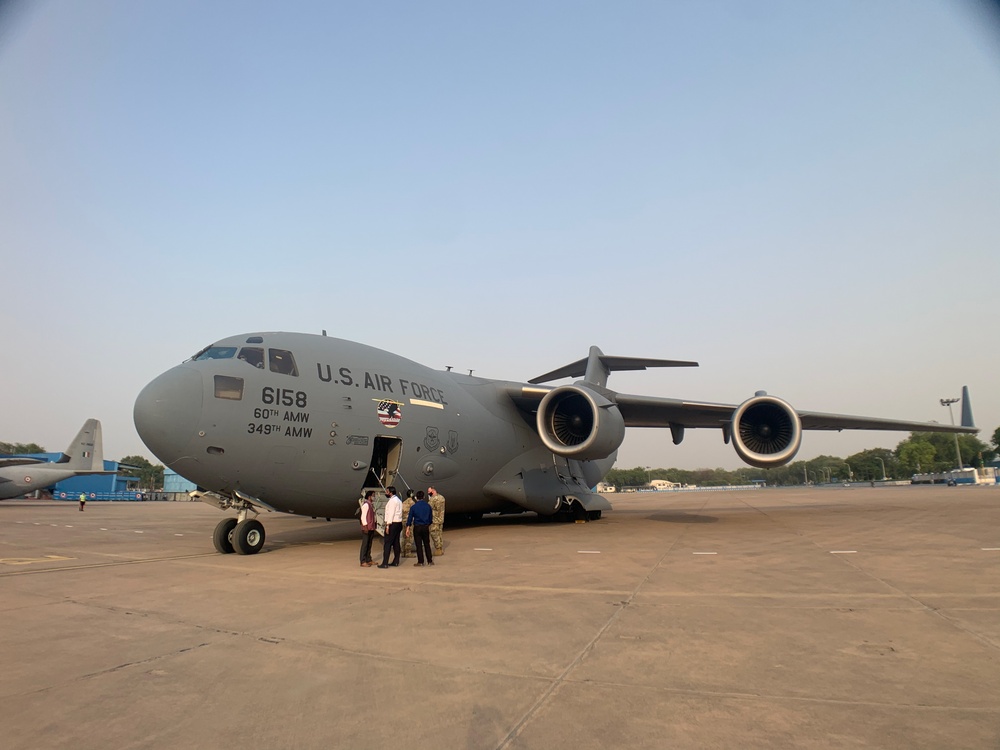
{"x":967,"y":420}
{"x":596,"y":368}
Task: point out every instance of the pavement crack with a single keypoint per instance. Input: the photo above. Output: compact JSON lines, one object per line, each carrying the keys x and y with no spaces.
{"x":620,"y":607}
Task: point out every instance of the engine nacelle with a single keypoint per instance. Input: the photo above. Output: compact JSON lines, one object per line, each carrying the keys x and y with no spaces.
{"x":766,"y":431}
{"x":579,"y":423}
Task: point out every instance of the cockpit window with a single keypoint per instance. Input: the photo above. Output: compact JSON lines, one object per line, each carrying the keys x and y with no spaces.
{"x":282,"y":361}
{"x":228,"y":387}
{"x":253,"y":355}
{"x":217,"y":352}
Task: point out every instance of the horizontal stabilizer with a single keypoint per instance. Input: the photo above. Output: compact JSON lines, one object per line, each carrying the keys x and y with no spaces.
{"x":597,"y":366}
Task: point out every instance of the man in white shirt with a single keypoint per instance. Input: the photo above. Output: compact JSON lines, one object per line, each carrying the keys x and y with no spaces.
{"x":393,"y":527}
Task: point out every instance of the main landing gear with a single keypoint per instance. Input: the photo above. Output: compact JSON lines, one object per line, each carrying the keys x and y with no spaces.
{"x":243,"y":535}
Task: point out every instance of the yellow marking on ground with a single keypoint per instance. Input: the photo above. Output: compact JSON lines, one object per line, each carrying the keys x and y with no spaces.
{"x":30,"y":560}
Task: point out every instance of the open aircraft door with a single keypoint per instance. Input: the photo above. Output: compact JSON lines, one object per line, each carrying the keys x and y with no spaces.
{"x":382,"y":469}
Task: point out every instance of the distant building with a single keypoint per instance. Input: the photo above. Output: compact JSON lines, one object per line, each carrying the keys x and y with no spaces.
{"x":97,"y":486}
{"x":174,"y":483}
{"x":662,"y":484}
{"x":986,"y":475}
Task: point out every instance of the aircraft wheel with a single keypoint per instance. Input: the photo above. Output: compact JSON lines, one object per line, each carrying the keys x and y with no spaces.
{"x":248,"y":537}
{"x":222,"y":537}
{"x":593,"y":515}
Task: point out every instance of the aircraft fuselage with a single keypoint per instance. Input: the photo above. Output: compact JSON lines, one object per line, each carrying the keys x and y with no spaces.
{"x":303,"y":423}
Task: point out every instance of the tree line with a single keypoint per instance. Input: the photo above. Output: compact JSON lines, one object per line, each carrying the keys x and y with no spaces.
{"x":920,"y":453}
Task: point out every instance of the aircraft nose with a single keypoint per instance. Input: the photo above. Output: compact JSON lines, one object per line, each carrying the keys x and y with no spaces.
{"x":167,"y":412}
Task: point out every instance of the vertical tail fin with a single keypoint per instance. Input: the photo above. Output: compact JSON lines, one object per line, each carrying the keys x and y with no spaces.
{"x":597,"y":371}
{"x":86,"y":452}
{"x":967,"y":420}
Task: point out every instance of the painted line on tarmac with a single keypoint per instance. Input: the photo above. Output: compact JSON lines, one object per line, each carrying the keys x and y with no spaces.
{"x":843,"y":552}
{"x":588,"y":552}
{"x":110,"y":564}
{"x":30,"y":560}
{"x":704,"y":553}
{"x":482,"y":549}
{"x":990,"y":549}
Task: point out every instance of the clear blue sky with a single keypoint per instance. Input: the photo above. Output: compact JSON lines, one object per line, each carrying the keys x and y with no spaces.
{"x":804,"y":197}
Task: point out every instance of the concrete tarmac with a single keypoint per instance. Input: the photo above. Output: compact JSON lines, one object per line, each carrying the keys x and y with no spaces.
{"x":821,"y":618}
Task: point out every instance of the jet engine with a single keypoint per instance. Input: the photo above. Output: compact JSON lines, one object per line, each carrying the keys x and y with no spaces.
{"x":766,"y":431}
{"x":579,"y":423}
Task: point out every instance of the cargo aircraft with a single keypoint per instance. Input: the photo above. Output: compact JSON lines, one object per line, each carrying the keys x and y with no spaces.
{"x":85,"y":455}
{"x":305,"y":423}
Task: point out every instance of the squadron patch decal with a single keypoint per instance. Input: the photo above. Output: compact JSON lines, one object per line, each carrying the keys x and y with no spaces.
{"x":431,"y":439}
{"x":389,"y":412}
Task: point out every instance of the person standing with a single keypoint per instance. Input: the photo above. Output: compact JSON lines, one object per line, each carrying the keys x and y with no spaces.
{"x":367,"y":528}
{"x":83,"y":500}
{"x":437,"y":525}
{"x":407,"y":539}
{"x":419,"y":522}
{"x":393,"y":526}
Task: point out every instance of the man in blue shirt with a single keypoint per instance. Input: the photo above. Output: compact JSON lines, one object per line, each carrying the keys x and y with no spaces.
{"x":419,"y":521}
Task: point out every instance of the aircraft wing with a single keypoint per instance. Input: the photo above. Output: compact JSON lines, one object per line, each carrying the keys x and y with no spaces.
{"x":653,"y":411}
{"x":20,"y":461}
{"x":650,"y":411}
{"x":586,"y":420}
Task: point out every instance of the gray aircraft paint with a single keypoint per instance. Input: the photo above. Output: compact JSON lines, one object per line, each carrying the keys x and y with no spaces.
{"x":304,"y":443}
{"x":85,"y":455}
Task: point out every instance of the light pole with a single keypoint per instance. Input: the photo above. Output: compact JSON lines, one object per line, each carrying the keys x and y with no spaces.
{"x":884,"y":477}
{"x":648,"y":480}
{"x":850,"y":471}
{"x":948,"y":402}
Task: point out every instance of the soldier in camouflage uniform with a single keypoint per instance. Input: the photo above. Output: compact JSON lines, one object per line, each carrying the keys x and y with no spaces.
{"x":407,"y":538}
{"x":436,"y":499}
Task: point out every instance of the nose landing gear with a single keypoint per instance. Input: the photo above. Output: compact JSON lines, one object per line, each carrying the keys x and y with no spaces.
{"x":242,"y":535}
{"x":248,"y":536}
{"x":222,"y":537}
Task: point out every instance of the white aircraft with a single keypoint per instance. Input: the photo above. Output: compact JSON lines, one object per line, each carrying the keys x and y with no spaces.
{"x":20,"y":475}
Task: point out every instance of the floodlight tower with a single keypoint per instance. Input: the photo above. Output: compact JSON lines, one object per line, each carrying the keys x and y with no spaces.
{"x":884,"y":477}
{"x":948,"y":402}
